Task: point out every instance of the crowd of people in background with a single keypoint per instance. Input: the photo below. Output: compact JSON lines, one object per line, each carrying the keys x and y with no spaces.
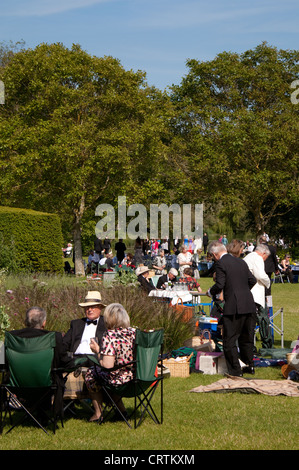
{"x":178,"y":259}
{"x":185,"y":253}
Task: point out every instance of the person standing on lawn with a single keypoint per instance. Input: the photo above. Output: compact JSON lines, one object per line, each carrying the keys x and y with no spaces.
{"x":236,"y":281}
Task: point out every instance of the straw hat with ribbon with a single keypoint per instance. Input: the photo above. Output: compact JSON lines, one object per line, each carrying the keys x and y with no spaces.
{"x":93,"y":297}
{"x":141,"y":270}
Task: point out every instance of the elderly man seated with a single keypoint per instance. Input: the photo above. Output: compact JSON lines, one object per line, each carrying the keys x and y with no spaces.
{"x":77,"y":339}
{"x":35,"y":323}
{"x":167,"y":279}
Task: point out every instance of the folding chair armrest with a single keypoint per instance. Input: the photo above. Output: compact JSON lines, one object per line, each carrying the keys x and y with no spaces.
{"x":92,"y":358}
{"x":76,"y":364}
{"x":112,"y":369}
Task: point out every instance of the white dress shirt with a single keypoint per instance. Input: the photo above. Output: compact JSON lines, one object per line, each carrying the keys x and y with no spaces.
{"x":88,"y":333}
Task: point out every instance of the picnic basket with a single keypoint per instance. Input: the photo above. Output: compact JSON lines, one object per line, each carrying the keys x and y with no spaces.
{"x":179,"y":367}
{"x":185,"y":311}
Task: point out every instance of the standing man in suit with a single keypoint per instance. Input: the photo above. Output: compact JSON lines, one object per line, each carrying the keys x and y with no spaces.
{"x":98,"y":247}
{"x":236,"y":281}
{"x":205,"y":241}
{"x":120,"y":249}
{"x":77,"y":339}
{"x":271,"y":263}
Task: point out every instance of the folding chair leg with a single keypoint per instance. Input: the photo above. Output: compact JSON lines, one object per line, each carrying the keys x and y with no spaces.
{"x":29,"y":413}
{"x":115,"y":408}
{"x":25,"y":416}
{"x":148,"y":407}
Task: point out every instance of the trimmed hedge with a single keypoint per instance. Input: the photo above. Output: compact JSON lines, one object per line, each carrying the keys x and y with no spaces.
{"x":30,"y":241}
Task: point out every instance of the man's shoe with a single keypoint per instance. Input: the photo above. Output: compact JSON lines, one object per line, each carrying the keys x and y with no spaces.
{"x":248,"y":370}
{"x":235,"y":374}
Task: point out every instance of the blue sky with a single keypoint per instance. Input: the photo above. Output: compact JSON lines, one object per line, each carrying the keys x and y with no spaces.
{"x":156,"y":36}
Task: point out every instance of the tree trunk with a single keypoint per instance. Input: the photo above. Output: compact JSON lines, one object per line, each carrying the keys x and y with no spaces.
{"x":78,"y":214}
{"x":79,"y":265}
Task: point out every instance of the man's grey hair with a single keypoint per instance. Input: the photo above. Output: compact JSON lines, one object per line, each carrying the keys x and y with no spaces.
{"x":263,"y":249}
{"x":35,"y":317}
{"x":216,"y":247}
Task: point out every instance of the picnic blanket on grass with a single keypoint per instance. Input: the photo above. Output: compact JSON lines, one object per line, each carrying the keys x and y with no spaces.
{"x":240,"y":384}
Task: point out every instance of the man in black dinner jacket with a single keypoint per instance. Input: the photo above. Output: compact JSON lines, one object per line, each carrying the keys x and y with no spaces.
{"x":236,"y":281}
{"x":35,"y":323}
{"x":165,"y":278}
{"x":77,"y":339}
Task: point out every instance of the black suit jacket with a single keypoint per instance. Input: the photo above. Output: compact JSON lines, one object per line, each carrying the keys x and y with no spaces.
{"x":72,"y":338}
{"x":236,"y":281}
{"x":120,"y":249}
{"x":162,"y":279}
{"x":146,"y":285}
{"x":271,"y":263}
{"x":98,"y":247}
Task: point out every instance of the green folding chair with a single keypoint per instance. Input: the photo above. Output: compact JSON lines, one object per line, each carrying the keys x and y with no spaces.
{"x":31,"y":386}
{"x":147,"y":356}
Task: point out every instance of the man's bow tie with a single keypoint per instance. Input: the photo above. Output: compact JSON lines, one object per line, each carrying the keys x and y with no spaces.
{"x":91,"y":321}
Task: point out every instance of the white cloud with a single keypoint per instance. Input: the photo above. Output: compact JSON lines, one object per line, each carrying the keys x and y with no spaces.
{"x":26,"y":8}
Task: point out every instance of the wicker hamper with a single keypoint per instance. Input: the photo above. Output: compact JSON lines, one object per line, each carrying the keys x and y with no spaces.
{"x":178,"y":368}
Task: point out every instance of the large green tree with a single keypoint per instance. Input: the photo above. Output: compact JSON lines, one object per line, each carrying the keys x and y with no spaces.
{"x":238,"y":131}
{"x":77,"y":131}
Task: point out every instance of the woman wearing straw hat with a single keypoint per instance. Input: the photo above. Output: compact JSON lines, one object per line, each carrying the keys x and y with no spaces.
{"x":142,"y":273}
{"x":77,"y":338}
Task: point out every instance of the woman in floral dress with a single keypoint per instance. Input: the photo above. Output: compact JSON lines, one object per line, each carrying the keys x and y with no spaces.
{"x":184,"y":259}
{"x":116,"y":349}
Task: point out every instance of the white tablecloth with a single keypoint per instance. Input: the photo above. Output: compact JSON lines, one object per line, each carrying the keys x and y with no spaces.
{"x":174,"y":295}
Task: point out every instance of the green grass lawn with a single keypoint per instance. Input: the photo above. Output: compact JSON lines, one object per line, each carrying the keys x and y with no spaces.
{"x":192,"y":421}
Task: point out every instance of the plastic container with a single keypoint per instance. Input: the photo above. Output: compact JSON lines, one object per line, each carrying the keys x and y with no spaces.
{"x":208,"y":323}
{"x":211,"y":362}
{"x":208,"y":364}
